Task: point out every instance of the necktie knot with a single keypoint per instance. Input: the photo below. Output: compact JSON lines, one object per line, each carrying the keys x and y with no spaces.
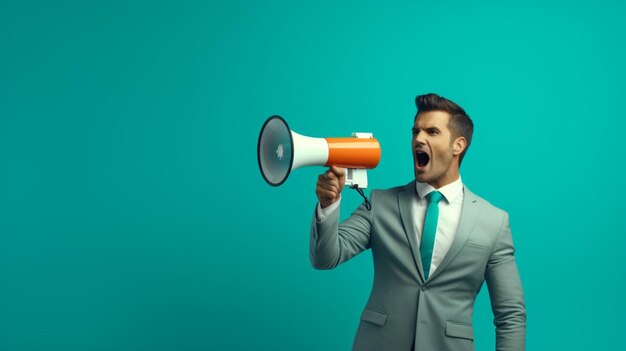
{"x":434,"y":197}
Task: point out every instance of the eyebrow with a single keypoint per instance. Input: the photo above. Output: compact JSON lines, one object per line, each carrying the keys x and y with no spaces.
{"x":431,"y":129}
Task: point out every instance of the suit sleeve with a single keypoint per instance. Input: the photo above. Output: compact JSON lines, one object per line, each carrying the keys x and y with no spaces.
{"x":332,"y":243}
{"x":505,"y":291}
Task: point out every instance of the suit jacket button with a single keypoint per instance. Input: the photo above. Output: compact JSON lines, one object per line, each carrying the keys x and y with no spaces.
{"x":424,"y":288}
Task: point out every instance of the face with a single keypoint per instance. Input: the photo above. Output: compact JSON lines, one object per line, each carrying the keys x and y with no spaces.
{"x":435,"y":151}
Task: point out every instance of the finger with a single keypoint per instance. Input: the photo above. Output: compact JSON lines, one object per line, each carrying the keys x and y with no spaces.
{"x":330,"y":175}
{"x":338,"y":171}
{"x":325,"y":194}
{"x":334,"y":186}
{"x":328,"y":184}
{"x":323,"y":179}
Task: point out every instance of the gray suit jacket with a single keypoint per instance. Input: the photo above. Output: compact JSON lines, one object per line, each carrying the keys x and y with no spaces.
{"x":436,"y":313}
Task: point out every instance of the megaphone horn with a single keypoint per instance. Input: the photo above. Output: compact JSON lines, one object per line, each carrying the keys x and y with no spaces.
{"x":280,"y":150}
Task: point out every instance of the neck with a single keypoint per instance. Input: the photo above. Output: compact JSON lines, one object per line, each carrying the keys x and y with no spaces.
{"x":446,"y":179}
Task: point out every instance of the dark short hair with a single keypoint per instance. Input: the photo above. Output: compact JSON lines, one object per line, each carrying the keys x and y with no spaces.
{"x":460,"y":123}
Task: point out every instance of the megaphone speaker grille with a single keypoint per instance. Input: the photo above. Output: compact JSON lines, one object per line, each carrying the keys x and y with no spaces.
{"x":275,"y":150}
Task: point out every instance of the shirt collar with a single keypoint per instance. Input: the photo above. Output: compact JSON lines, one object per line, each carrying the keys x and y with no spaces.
{"x":449,"y":191}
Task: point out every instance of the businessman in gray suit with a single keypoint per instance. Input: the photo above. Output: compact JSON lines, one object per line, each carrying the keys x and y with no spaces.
{"x":433,"y":243}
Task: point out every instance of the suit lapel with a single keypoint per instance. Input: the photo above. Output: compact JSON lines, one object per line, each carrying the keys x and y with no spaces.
{"x":469,"y":214}
{"x":405,"y":204}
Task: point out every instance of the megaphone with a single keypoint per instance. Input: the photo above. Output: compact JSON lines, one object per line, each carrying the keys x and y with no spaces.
{"x":281,"y":150}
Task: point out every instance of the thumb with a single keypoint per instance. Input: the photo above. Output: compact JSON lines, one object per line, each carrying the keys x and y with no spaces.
{"x":338,"y":171}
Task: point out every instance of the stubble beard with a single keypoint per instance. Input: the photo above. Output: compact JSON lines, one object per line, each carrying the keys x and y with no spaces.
{"x":433,"y":174}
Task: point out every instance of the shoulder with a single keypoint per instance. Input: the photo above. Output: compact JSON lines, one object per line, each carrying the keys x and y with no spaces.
{"x":387,"y":202}
{"x":393,"y":197}
{"x":392,"y":192}
{"x":490,"y":222}
{"x":485,"y":205}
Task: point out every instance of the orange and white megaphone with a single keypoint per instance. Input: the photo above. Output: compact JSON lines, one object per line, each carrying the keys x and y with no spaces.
{"x":281,"y":150}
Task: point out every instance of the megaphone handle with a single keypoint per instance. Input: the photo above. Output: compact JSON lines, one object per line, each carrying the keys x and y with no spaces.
{"x":356,"y":176}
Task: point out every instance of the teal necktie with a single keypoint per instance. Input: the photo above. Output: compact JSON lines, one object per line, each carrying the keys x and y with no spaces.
{"x":430,"y":228}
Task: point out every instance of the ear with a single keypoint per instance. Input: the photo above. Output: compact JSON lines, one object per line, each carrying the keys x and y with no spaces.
{"x":458,"y":146}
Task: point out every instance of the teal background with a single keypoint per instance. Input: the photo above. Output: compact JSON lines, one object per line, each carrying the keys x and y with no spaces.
{"x":133,"y":215}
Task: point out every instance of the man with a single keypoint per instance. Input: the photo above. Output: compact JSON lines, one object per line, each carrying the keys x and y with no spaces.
{"x":433,"y":244}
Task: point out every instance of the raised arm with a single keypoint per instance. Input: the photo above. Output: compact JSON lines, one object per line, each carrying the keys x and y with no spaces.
{"x":330,"y":242}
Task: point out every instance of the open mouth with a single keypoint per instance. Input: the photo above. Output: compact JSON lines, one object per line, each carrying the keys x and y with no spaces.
{"x":422,"y":158}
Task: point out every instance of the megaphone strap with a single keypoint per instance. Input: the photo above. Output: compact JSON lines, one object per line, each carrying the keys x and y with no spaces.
{"x":360,"y":191}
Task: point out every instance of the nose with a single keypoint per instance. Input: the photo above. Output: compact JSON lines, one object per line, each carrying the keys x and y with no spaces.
{"x":419,"y":137}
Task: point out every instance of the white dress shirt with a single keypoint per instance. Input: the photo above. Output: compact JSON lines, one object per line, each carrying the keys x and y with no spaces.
{"x":447,"y":223}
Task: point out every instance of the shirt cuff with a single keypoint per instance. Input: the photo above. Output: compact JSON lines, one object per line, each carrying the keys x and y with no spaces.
{"x":323,"y":213}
